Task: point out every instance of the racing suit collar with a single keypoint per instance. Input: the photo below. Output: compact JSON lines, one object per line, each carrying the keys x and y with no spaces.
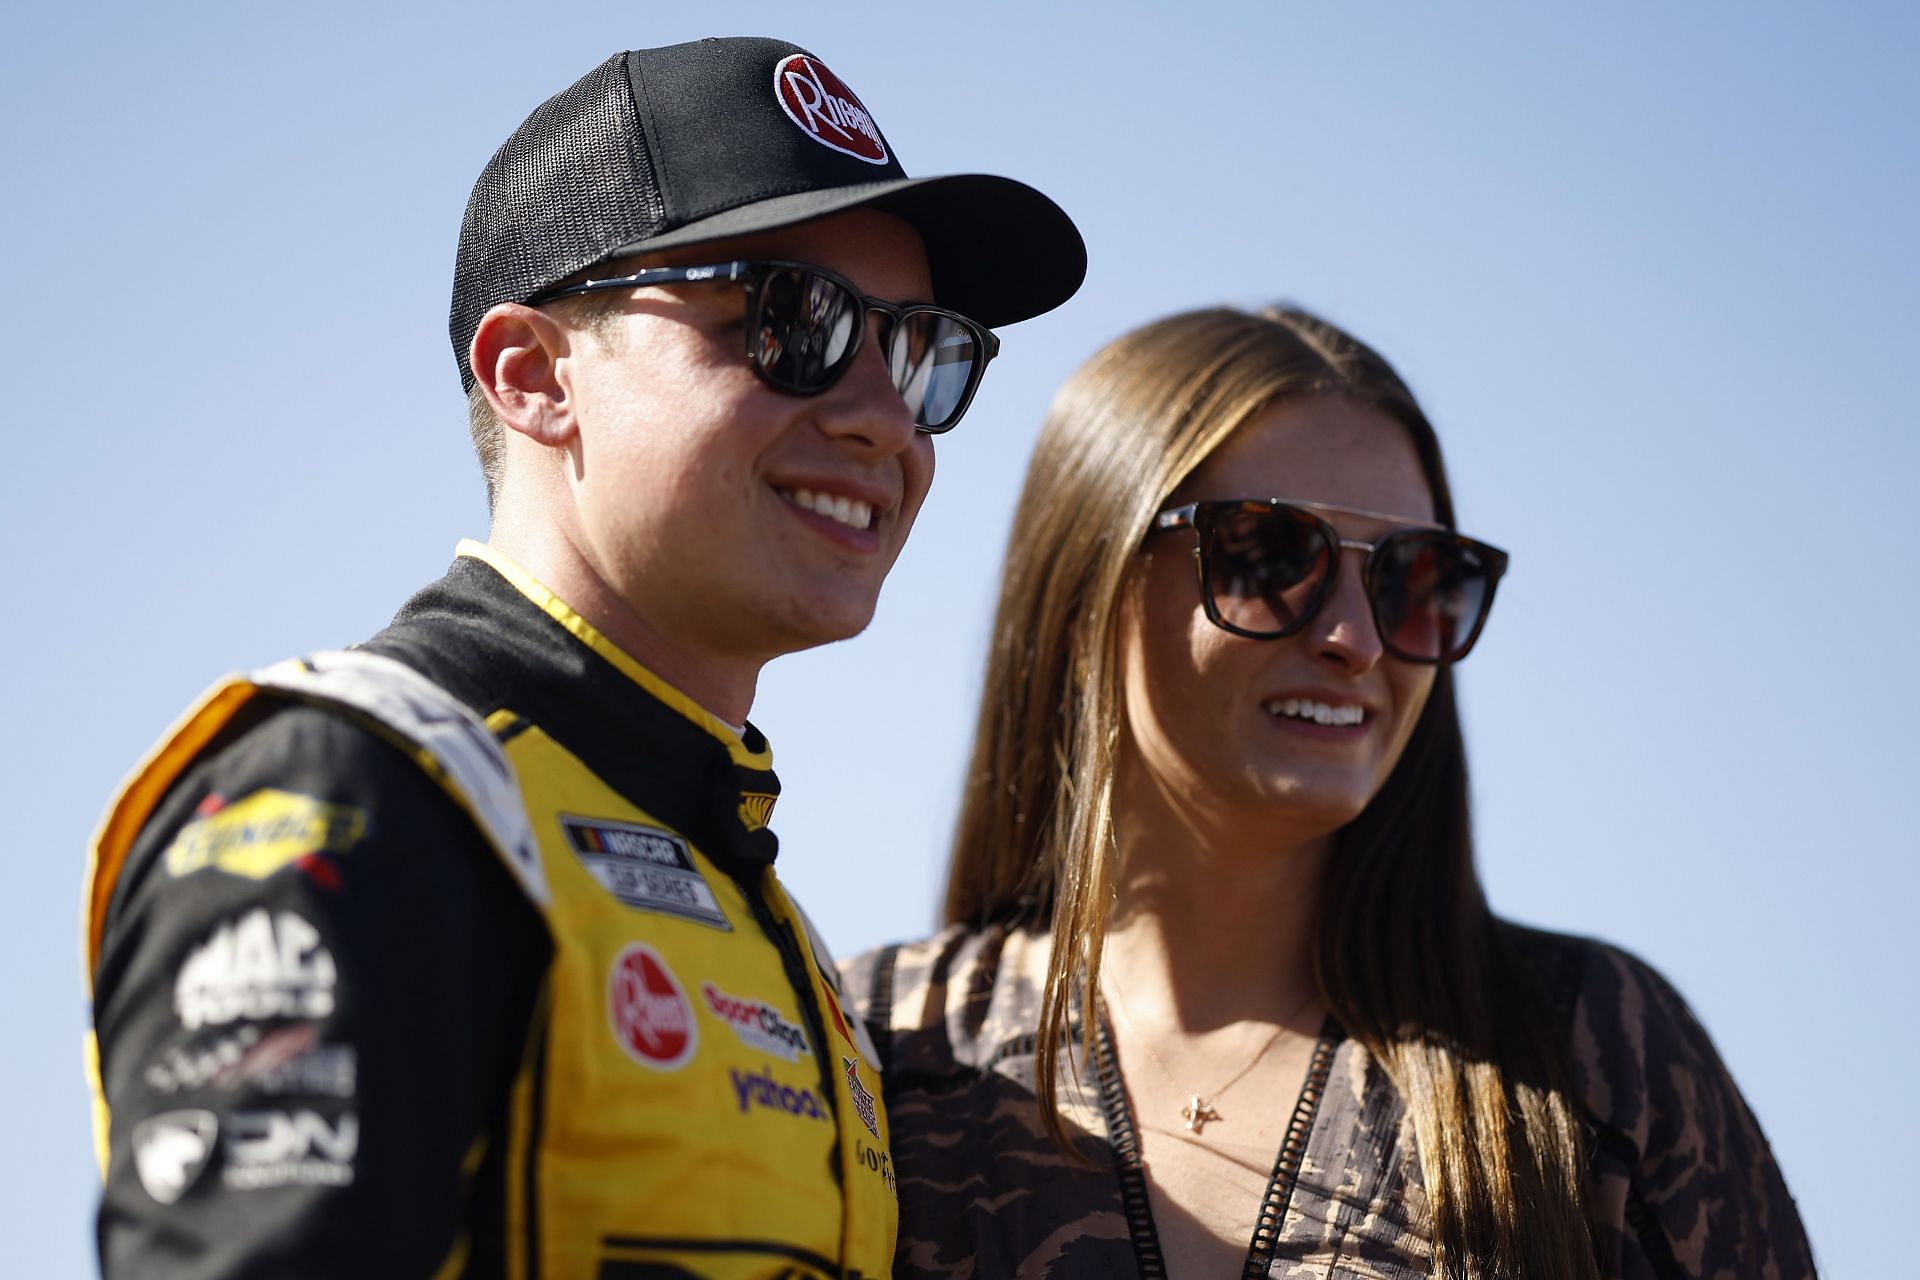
{"x":493,"y":636}
{"x":748,"y":748}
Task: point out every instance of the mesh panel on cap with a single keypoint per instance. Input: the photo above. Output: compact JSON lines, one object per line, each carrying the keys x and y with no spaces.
{"x":570,"y":186}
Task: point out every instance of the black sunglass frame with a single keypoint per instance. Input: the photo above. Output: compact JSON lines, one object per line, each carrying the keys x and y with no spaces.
{"x":753,"y":274}
{"x":1204,"y":519}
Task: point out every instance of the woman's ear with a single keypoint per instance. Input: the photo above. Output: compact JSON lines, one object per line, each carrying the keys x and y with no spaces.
{"x":519,"y":359}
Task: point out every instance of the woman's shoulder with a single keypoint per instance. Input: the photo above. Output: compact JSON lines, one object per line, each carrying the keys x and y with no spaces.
{"x":967,"y":992}
{"x":1681,"y":1168}
{"x":1640,"y":1056}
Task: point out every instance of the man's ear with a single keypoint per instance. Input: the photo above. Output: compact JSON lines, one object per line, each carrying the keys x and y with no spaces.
{"x":519,"y":359}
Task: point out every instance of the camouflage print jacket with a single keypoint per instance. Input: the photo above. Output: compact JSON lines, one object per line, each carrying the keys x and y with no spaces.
{"x":1682,"y":1183}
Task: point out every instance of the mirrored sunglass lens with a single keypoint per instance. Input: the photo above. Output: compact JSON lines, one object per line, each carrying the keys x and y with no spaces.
{"x":932,"y":359}
{"x":808,"y":326}
{"x":1266,"y":566}
{"x":1429,"y":594}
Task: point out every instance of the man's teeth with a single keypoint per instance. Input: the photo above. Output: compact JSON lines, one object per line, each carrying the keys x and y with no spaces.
{"x":848,"y":511}
{"x":1318,"y":712}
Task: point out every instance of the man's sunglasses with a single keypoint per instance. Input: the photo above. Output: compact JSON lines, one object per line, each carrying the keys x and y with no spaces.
{"x":1267,"y":565}
{"x":805,"y":326}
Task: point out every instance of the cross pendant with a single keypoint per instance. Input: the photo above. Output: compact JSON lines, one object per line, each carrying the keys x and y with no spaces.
{"x":1196,"y":1113}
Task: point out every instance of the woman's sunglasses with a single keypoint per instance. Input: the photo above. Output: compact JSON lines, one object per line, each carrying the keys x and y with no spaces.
{"x":805,"y":325}
{"x":1267,"y":565}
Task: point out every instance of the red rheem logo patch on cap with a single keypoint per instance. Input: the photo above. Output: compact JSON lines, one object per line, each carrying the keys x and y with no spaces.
{"x":821,"y":104}
{"x":651,"y":1016}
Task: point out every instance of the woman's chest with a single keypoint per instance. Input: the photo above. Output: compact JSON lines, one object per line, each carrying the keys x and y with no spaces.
{"x":1314,"y":1173}
{"x":1335,"y":1194}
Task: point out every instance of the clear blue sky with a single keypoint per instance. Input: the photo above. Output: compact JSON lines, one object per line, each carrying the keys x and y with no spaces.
{"x":1652,"y":269}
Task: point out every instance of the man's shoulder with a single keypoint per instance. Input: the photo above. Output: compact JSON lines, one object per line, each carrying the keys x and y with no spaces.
{"x":302,"y":725}
{"x":277,"y":736}
{"x":289,"y":771}
{"x":294,"y":914}
{"x":281,"y":774}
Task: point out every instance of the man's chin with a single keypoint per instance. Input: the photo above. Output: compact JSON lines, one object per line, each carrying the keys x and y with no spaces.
{"x":812,"y":626}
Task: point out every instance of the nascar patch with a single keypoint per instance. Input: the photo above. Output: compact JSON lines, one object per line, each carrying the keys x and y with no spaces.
{"x":268,"y":830}
{"x":646,"y":868}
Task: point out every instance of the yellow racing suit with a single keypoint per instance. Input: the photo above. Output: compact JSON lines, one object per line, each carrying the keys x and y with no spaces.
{"x":462,"y":954}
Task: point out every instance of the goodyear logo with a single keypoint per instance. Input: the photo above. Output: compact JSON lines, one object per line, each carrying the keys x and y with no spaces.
{"x":259,"y":835}
{"x":756,"y":809}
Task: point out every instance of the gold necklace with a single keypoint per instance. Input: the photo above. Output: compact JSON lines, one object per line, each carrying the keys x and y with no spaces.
{"x":1199,"y":1111}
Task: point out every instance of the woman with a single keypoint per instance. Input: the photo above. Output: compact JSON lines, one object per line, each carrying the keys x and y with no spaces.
{"x":1219,"y":992}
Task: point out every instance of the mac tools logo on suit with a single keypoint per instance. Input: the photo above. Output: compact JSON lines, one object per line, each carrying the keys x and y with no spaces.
{"x":820,"y":103}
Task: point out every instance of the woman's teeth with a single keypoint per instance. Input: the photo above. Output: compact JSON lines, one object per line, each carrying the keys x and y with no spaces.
{"x":848,"y":511}
{"x":1318,"y":712}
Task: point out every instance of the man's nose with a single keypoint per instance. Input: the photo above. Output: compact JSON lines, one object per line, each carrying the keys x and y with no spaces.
{"x":864,"y":407}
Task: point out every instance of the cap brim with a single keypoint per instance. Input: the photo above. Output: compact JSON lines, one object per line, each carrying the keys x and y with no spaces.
{"x":1000,"y":251}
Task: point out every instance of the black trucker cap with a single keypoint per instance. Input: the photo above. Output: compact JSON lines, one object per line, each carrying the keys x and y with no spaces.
{"x":657,"y":148}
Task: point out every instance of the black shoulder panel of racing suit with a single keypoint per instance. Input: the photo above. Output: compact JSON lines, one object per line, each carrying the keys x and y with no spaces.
{"x":357,"y":1018}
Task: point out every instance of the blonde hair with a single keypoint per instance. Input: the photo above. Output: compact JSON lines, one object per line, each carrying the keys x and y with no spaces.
{"x":1409,"y":958}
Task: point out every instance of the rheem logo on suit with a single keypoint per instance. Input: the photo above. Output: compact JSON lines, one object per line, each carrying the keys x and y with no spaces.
{"x":262,"y":965}
{"x":649,"y":1012}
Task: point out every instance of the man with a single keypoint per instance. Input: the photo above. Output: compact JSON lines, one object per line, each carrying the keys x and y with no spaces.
{"x":462,"y":953}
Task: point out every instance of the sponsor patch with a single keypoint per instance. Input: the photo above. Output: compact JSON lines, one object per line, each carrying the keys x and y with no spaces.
{"x":758,"y":1024}
{"x":651,"y":1016}
{"x":170,"y":1150}
{"x":759,"y":1089}
{"x":826,"y":110}
{"x":862,"y":1098}
{"x":289,"y":1149}
{"x":262,"y":965}
{"x":265,"y":832}
{"x":287,"y":1060}
{"x":646,"y":868}
{"x":875,"y":1162}
{"x":831,"y":999}
{"x":756,"y":809}
{"x":427,"y":716}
